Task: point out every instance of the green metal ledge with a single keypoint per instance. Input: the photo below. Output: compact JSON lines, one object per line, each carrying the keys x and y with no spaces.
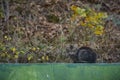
{"x":60,"y":71}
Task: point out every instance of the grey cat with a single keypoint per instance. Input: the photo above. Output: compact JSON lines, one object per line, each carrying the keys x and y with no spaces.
{"x":84,"y":55}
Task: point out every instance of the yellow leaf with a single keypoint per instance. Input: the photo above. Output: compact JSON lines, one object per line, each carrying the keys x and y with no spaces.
{"x":22,"y":52}
{"x":13,"y":49}
{"x":30,"y":57}
{"x":38,"y":48}
{"x":47,"y":58}
{"x":102,"y":15}
{"x":90,"y":25}
{"x":98,"y":32}
{"x":82,"y":23}
{"x":16,"y":56}
{"x":73,"y":7}
{"x":43,"y":58}
{"x":78,"y":11}
{"x":34,"y":49}
{"x":5,"y":37}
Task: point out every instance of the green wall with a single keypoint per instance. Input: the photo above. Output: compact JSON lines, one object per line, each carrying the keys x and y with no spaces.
{"x":60,"y":71}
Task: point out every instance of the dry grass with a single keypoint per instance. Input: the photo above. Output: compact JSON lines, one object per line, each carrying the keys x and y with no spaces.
{"x":37,"y":39}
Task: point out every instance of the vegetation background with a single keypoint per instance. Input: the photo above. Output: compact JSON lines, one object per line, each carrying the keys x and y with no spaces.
{"x":35,"y":31}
